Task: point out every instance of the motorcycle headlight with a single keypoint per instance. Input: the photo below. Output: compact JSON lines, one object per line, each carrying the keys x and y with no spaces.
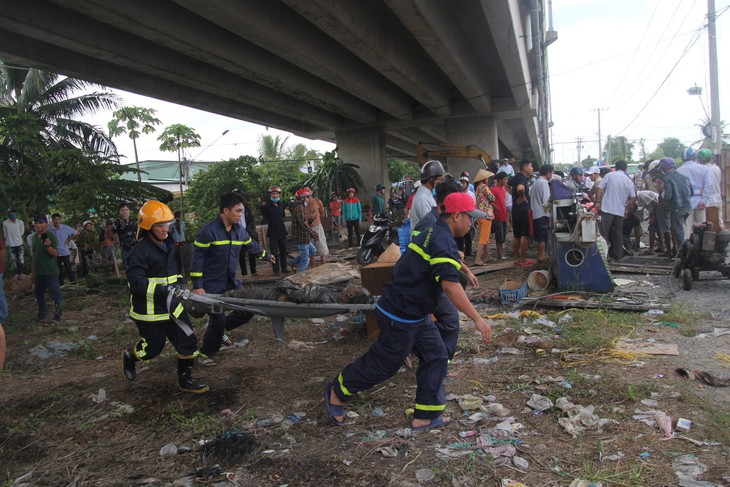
{"x":373,"y":229}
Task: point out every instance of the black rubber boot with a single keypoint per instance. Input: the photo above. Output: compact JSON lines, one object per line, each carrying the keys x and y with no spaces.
{"x":184,"y":376}
{"x":128,"y":361}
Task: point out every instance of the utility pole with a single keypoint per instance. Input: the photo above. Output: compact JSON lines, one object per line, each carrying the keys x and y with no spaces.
{"x":714,"y":84}
{"x":608,"y":159}
{"x":600,"y":147}
{"x":579,"y":146}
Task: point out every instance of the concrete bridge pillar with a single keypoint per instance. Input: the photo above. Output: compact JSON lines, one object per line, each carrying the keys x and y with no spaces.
{"x":479,"y":131}
{"x":365,"y":147}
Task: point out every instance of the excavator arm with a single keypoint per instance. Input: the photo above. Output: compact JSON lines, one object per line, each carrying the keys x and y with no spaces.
{"x":449,"y":150}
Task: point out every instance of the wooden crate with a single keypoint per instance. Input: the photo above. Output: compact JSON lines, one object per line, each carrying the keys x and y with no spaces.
{"x":374,"y":276}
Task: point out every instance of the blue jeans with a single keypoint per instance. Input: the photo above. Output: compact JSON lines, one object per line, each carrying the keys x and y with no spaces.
{"x":306,"y":251}
{"x":3,"y":302}
{"x":50,"y":283}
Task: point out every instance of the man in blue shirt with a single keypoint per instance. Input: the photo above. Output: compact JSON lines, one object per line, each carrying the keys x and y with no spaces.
{"x":65,"y":234}
{"x":429,"y":268}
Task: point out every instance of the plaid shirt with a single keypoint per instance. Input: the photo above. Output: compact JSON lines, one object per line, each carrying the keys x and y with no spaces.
{"x":300,"y":231}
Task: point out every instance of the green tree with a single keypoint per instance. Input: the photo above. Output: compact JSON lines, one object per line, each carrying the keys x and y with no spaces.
{"x":131,"y":120}
{"x":282,"y":165}
{"x":588,"y":162}
{"x":619,"y":148}
{"x":334,"y":175}
{"x":177,"y":137}
{"x":242,"y":173}
{"x":705,"y":126}
{"x":39,"y":115}
{"x":670,"y":147}
{"x":398,"y":170}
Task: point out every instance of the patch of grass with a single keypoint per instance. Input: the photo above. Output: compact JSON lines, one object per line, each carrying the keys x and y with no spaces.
{"x":690,"y":322}
{"x":715,"y":422}
{"x":194,"y":422}
{"x":591,"y":331}
{"x":637,"y":392}
{"x":628,"y":478}
{"x":86,"y":350}
{"x":79,"y":303}
{"x":26,"y":425}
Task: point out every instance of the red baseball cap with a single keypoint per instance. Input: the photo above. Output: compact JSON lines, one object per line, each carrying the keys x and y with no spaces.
{"x":302,"y":193}
{"x":462,"y":203}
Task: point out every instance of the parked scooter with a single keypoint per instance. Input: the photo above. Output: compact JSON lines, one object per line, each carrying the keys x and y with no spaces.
{"x":377,"y":238}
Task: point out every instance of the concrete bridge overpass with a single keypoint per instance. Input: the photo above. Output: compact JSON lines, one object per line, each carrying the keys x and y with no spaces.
{"x":374,"y":76}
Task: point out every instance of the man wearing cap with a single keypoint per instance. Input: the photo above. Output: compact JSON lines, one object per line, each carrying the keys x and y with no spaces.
{"x":126,"y":230}
{"x":45,"y":269}
{"x":431,"y":174}
{"x":13,"y":230}
{"x":575,"y":180}
{"x":594,"y":176}
{"x":377,"y":202}
{"x":315,"y":215}
{"x":614,"y":196}
{"x":677,"y":198}
{"x":88,"y":243}
{"x":301,"y":232}
{"x":701,"y":187}
{"x":273,"y":215}
{"x":506,"y":167}
{"x":465,"y":174}
{"x":428,"y":268}
{"x":704,"y":156}
{"x":64,"y":234}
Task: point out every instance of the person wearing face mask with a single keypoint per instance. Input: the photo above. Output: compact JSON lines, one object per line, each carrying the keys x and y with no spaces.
{"x":273,"y":216}
{"x":425,"y":200}
{"x":13,"y":229}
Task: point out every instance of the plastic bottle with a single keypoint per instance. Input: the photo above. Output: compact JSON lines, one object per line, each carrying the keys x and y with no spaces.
{"x":290,"y":421}
{"x":404,"y":235}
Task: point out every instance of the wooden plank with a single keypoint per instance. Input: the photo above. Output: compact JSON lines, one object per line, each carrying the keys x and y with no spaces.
{"x":640,"y":269}
{"x":484,"y":269}
{"x":618,"y":305}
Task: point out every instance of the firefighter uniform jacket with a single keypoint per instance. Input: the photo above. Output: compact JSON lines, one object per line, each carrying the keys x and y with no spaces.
{"x":151,"y":268}
{"x":215,"y":256}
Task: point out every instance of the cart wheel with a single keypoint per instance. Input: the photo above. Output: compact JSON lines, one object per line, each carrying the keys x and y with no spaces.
{"x":687,"y":279}
{"x":695,"y":273}
{"x":677,"y":270}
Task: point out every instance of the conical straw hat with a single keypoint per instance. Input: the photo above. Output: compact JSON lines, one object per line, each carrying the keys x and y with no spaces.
{"x":482,"y":174}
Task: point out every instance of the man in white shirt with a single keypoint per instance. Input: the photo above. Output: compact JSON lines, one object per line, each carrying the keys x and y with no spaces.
{"x":614,"y":196}
{"x":506,"y":167}
{"x":539,"y":197}
{"x":424,"y":201}
{"x":715,"y":200}
{"x":13,"y":229}
{"x":701,"y":186}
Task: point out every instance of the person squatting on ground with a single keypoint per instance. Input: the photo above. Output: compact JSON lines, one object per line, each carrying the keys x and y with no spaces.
{"x":352,"y":212}
{"x":213,"y":270}
{"x":273,"y":216}
{"x":485,"y":203}
{"x":429,"y":267}
{"x":13,"y":230}
{"x":676,"y":197}
{"x":64,"y":234}
{"x":699,"y":176}
{"x":152,"y":274}
{"x":614,"y":196}
{"x":45,"y":268}
{"x":302,"y":234}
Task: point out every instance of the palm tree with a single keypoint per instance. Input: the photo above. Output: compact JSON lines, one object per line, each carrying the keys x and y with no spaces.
{"x":705,"y":126}
{"x":175,"y":138}
{"x":334,"y":175}
{"x":271,"y":148}
{"x":39,"y":114}
{"x":128,"y":119}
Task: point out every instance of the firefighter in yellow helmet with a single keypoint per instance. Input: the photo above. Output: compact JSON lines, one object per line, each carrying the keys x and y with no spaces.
{"x":153,"y":277}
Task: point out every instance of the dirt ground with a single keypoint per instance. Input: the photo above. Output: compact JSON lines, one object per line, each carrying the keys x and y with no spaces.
{"x":54,"y":425}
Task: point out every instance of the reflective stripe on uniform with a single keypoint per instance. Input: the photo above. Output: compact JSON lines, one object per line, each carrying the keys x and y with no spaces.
{"x":196,"y":274}
{"x":426,"y":407}
{"x":342,"y":386}
{"x":433,"y":260}
{"x":149,"y":317}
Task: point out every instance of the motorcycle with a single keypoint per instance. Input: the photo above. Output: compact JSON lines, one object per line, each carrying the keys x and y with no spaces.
{"x":377,"y":238}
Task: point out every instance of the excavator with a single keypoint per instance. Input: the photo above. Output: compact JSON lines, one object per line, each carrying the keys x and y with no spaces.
{"x":450,"y":150}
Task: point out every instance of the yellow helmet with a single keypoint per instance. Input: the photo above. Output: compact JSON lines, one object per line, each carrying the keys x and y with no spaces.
{"x":154,"y":212}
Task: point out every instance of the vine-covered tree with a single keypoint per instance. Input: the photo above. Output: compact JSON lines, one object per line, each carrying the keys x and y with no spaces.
{"x":334,"y":175}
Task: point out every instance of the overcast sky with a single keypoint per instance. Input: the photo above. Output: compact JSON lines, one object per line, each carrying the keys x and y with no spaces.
{"x":616,"y":55}
{"x":626,"y":57}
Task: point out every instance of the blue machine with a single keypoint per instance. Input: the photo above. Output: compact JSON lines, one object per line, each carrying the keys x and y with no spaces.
{"x":579,"y":262}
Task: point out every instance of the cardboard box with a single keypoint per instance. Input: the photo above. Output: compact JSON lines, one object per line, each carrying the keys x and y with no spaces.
{"x":373,"y":277}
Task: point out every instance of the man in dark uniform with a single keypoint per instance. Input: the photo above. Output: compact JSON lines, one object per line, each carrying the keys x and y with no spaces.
{"x":152,"y":273}
{"x":519,"y":184}
{"x":273,"y":215}
{"x":429,"y":267}
{"x":215,"y":262}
